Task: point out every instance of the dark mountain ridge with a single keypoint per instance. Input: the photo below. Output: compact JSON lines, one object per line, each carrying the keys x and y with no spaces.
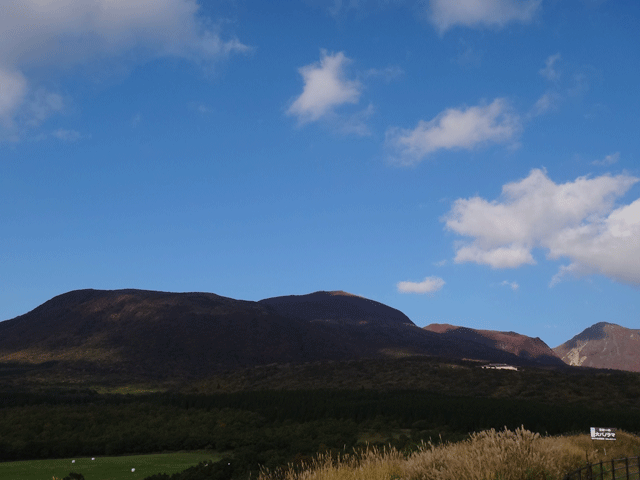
{"x":512,"y":342}
{"x":163,"y":334}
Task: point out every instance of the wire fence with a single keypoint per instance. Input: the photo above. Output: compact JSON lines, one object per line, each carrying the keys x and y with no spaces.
{"x":618,"y":469}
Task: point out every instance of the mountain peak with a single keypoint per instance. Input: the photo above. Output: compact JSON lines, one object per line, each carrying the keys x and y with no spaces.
{"x":339,"y":307}
{"x":343,"y":293}
{"x":603,"y":345}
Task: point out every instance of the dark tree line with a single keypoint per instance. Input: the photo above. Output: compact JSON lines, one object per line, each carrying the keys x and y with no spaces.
{"x":267,"y":428}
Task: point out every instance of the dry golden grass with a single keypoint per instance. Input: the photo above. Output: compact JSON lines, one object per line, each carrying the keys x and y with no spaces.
{"x":373,"y":464}
{"x":487,"y":455}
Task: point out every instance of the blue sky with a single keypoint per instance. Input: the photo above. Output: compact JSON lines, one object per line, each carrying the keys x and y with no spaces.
{"x":473,"y":162}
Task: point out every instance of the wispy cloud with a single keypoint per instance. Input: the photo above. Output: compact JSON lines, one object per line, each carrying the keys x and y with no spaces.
{"x":40,"y":105}
{"x":445,"y":14}
{"x":467,"y":55}
{"x":62,"y":134}
{"x":512,"y":285}
{"x":201,"y":108}
{"x":575,"y":82}
{"x":578,"y":220}
{"x":67,"y":135}
{"x":428,"y":285}
{"x":13,"y":89}
{"x":387,"y":74}
{"x":339,"y":8}
{"x":548,"y":71}
{"x":135,"y":120}
{"x":356,"y":123}
{"x":581,"y":83}
{"x":547,"y":101}
{"x":464,"y":128}
{"x":608,"y":160}
{"x":325,"y":88}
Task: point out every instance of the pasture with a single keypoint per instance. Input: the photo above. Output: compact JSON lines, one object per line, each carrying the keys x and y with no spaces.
{"x":105,"y":468}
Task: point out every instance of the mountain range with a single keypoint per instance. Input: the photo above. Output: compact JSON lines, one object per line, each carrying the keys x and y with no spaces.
{"x":191,"y":335}
{"x":512,"y":342}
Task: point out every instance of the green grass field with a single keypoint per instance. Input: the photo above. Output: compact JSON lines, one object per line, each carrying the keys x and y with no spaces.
{"x":105,"y":468}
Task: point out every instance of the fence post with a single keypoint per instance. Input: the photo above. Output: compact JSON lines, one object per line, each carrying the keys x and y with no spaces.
{"x":626,"y":464}
{"x":588,"y":470}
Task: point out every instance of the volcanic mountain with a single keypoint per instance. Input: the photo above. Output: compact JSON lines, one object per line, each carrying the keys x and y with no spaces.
{"x":170,"y":335}
{"x":511,"y":342}
{"x":603,"y":345}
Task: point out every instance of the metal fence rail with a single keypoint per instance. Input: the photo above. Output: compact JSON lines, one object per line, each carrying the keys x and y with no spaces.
{"x":618,"y":469}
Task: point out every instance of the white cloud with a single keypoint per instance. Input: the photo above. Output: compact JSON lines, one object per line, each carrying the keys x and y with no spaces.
{"x":481,"y":13}
{"x":500,"y":257}
{"x":69,"y":31}
{"x":53,"y":36}
{"x":609,"y":245}
{"x":454,"y":129}
{"x":325,"y":87}
{"x":578,"y":220}
{"x":428,"y":285}
{"x":548,"y":71}
{"x":608,"y":160}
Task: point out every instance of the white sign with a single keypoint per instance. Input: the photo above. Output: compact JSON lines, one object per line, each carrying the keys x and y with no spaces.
{"x":603,"y":433}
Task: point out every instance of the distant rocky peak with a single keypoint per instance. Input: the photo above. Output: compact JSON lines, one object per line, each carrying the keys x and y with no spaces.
{"x":603,"y":345}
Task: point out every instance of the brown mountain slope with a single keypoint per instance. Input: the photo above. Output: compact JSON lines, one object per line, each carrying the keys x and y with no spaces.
{"x":171,"y":335}
{"x":511,"y":342}
{"x":603,"y":345}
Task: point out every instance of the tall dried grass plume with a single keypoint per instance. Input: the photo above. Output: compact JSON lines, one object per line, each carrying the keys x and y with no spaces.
{"x":486,"y":455}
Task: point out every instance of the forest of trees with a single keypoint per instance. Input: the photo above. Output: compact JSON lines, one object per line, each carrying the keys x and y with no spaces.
{"x":268,"y":428}
{"x":269,"y":416}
